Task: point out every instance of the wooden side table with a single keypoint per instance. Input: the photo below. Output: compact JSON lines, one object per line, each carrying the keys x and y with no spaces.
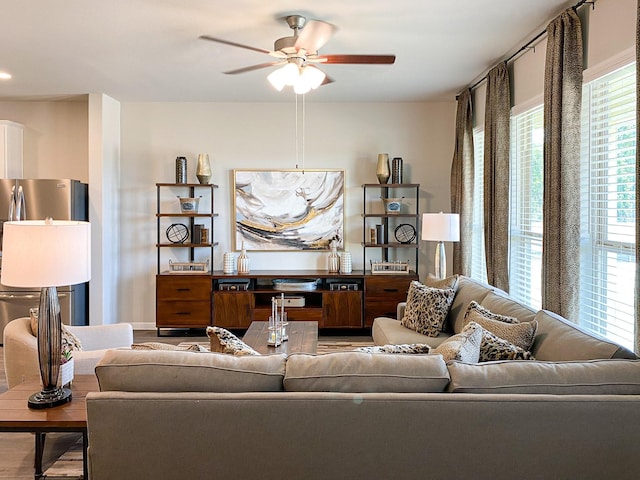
{"x":16,"y":416}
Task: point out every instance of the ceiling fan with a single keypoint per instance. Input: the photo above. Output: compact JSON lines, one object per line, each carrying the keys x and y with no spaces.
{"x":297,"y":53}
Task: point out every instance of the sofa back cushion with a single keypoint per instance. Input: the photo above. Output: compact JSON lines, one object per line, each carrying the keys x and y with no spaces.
{"x":468,"y":289}
{"x":171,"y":371}
{"x":557,"y":339}
{"x":500,"y":303}
{"x":356,"y":372}
{"x":592,"y":377}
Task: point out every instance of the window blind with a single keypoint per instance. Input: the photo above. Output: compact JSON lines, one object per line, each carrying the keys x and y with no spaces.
{"x":608,"y":206}
{"x":478,"y":264}
{"x":526,"y":195}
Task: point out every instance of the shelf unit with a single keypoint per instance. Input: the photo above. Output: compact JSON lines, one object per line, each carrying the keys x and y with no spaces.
{"x":190,"y":218}
{"x":374,"y":212}
{"x":183,"y":300}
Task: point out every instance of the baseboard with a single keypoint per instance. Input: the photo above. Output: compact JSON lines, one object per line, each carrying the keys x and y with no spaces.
{"x":143,"y":325}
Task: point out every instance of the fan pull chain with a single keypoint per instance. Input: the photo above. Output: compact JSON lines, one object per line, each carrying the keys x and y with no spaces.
{"x":300,"y":127}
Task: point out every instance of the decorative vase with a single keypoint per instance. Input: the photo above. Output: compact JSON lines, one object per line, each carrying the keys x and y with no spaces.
{"x":181,"y":170}
{"x":243,"y":261}
{"x":66,"y":373}
{"x":345,"y":262}
{"x":382,"y":169}
{"x":228,"y":262}
{"x":203,"y":170}
{"x":396,"y":170}
{"x":334,"y":258}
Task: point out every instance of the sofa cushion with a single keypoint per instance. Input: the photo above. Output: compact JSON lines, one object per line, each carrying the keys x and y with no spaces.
{"x":407,"y":348}
{"x":464,"y":346}
{"x":508,"y":328}
{"x":502,"y":304}
{"x":558,"y":339}
{"x":468,"y":289}
{"x":356,"y":372}
{"x":427,"y":308}
{"x":495,"y":348}
{"x":223,"y":341}
{"x":593,"y":377}
{"x":387,"y":331}
{"x":169,"y":371}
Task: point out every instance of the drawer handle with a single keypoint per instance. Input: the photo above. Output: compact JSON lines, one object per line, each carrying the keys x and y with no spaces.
{"x":183,"y":313}
{"x":183,"y":289}
{"x":390,"y":289}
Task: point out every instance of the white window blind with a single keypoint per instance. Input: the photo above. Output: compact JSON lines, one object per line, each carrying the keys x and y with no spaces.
{"x":608,"y":192}
{"x":478,"y":264}
{"x":526,"y":192}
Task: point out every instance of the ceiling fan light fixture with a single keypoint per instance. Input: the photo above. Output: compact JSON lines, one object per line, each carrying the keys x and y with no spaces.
{"x":291,"y":73}
{"x":313,"y":76}
{"x":277,"y":79}
{"x":301,"y":86}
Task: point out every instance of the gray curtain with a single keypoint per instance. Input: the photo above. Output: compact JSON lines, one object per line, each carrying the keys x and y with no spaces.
{"x":496,"y":176}
{"x":462,"y":183}
{"x":561,"y":211}
{"x":637,"y":302}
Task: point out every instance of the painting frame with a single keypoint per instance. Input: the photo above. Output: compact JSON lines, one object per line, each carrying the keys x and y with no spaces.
{"x":288,"y":209}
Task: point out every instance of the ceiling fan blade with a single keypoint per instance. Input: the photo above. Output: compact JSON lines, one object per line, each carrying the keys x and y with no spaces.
{"x":314,"y":35}
{"x":234,"y":44}
{"x":327,"y":80}
{"x":358,"y":59}
{"x":254,"y":67}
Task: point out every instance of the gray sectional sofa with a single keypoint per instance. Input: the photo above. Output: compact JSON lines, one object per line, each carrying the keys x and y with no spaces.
{"x":573,"y":413}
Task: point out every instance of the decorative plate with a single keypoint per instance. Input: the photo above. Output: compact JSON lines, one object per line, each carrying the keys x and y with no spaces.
{"x":177,"y":233}
{"x":405,"y":233}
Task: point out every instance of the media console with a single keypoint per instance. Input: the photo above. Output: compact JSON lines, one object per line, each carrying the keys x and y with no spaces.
{"x":334,"y":300}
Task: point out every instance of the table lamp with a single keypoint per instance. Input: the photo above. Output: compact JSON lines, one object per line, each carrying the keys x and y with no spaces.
{"x":47,"y":254}
{"x":441,"y":227}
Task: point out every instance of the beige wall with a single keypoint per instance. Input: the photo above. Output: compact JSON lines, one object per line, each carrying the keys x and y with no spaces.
{"x":609,"y":31}
{"x":262,"y":136}
{"x":55,"y":137}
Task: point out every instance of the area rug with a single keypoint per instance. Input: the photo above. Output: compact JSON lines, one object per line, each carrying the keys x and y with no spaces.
{"x":68,"y":466}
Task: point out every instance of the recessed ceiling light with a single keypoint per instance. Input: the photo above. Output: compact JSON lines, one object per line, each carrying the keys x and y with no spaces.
{"x":5,"y":76}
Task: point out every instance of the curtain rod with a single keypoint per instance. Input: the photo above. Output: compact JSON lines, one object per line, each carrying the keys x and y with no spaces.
{"x":527,"y":45}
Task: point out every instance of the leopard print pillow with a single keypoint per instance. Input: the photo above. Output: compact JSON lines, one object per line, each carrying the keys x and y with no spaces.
{"x":414,"y":348}
{"x":194,"y":347}
{"x":224,"y":341}
{"x":508,"y":328}
{"x":427,"y":308}
{"x":496,"y":348}
{"x":465,"y":346}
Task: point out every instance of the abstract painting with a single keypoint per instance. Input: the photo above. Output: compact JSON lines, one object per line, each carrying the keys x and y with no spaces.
{"x":288,"y":209}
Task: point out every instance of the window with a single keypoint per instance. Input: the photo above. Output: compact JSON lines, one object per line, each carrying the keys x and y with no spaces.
{"x":608,"y":193}
{"x":526,"y":195}
{"x":478,"y":264}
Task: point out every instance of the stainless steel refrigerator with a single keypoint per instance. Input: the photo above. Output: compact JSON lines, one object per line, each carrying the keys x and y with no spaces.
{"x":36,"y":200}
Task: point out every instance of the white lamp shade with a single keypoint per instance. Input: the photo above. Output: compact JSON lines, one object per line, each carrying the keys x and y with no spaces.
{"x":441,"y":227}
{"x":39,"y":253}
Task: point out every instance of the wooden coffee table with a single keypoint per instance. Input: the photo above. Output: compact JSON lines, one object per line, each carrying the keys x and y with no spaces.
{"x":303,"y":338}
{"x":16,"y":416}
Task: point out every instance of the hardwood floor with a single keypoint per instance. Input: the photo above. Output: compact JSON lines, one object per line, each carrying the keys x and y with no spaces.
{"x":17,"y":449}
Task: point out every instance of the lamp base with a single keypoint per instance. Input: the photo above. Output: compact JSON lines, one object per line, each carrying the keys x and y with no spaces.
{"x":440,"y":261}
{"x":49,"y":398}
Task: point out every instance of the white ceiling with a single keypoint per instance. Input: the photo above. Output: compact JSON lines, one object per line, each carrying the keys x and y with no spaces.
{"x":148,"y":50}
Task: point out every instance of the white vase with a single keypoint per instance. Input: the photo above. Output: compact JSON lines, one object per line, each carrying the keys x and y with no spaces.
{"x":66,"y":373}
{"x":243,"y":261}
{"x":334,"y":259}
{"x":203,"y":170}
{"x":345,"y":262}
